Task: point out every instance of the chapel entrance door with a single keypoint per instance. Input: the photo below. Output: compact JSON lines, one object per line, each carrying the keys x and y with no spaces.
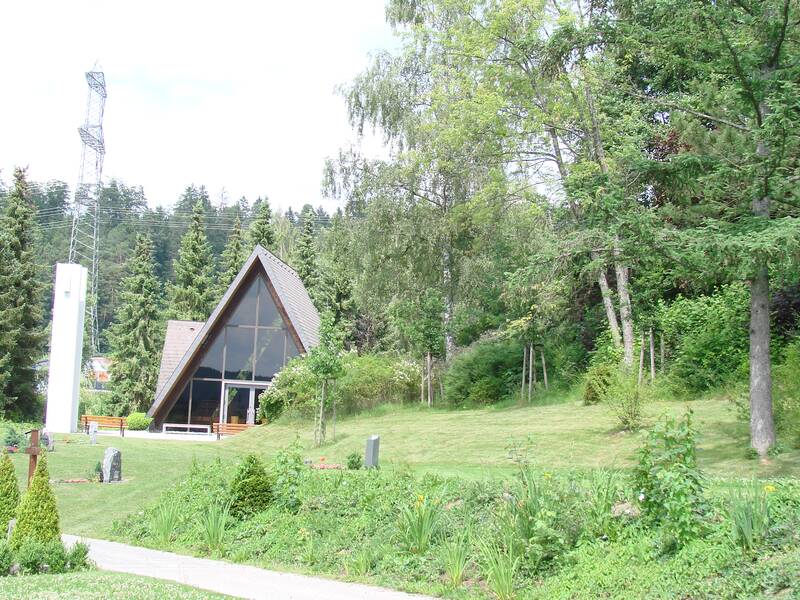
{"x":240,"y":403}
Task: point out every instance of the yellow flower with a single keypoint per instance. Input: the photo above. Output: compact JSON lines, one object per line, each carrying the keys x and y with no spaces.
{"x":769,"y":488}
{"x":420,"y":499}
{"x":547,"y":475}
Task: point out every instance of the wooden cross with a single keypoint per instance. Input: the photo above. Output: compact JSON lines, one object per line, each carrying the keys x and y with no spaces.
{"x":33,"y":451}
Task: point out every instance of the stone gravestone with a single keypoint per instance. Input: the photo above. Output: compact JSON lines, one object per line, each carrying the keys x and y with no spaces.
{"x":48,"y":441}
{"x":93,"y":433}
{"x":371,"y":454}
{"x":112,"y":465}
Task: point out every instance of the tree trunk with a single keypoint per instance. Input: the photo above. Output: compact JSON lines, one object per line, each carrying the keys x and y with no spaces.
{"x":625,"y":312}
{"x":422,"y":384}
{"x":762,"y":426}
{"x":533,"y":358}
{"x":320,"y":437}
{"x":661,"y":363}
{"x":608,"y":303}
{"x":449,"y":303}
{"x":544,"y":371}
{"x":641,"y":361}
{"x":652,"y":357}
{"x":524,"y":370}
{"x":430,"y":382}
{"x":334,"y":417}
{"x":530,"y":374}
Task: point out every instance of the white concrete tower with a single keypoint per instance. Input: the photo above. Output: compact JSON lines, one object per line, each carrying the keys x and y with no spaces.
{"x":66,"y":348}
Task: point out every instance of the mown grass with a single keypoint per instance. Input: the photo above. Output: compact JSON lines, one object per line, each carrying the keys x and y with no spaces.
{"x":472,"y":443}
{"x":97,"y":585}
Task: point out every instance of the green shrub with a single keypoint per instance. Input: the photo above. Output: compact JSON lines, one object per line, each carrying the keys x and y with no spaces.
{"x":35,"y":556}
{"x":786,"y":395}
{"x":484,"y":373}
{"x":354,"y":461}
{"x":251,"y":488}
{"x":138,"y":421}
{"x":9,"y":491}
{"x":367,"y":381}
{"x":37,"y":516}
{"x":597,"y":381}
{"x":669,"y":480}
{"x":749,"y":515}
{"x":626,"y":399}
{"x":288,"y":471}
{"x":6,"y":558}
{"x":13,"y":436}
{"x":707,"y":336}
{"x":78,"y":557}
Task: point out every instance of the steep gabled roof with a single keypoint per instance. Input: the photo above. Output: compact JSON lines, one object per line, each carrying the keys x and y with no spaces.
{"x":291,"y":298}
{"x":178,"y":339}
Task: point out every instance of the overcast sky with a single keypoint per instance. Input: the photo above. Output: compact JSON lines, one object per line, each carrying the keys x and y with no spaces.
{"x":230,"y":94}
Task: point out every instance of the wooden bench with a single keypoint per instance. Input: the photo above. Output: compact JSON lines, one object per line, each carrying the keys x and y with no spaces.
{"x":229,"y":428}
{"x":105,"y":423}
{"x":186,"y":427}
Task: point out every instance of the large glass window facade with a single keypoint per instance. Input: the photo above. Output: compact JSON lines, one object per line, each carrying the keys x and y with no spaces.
{"x":248,"y":349}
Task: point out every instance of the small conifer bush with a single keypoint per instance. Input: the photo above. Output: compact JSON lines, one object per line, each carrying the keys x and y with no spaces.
{"x":37,"y":516}
{"x":251,"y":488}
{"x":9,"y":492}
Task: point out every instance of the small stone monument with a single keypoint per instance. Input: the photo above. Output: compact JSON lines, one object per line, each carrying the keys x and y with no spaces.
{"x":112,"y":465}
{"x":11,"y":525}
{"x":93,"y":433}
{"x":48,"y":441}
{"x":371,"y":454}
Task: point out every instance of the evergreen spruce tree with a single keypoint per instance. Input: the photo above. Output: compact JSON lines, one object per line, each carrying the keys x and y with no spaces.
{"x":193,"y":295}
{"x":262,"y":231}
{"x":306,"y":254}
{"x":135,"y":336}
{"x":9,"y":491}
{"x":233,"y":257}
{"x":37,"y":516}
{"x":21,"y":333}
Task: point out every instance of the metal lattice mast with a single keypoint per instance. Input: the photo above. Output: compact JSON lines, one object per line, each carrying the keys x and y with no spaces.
{"x":84,"y":241}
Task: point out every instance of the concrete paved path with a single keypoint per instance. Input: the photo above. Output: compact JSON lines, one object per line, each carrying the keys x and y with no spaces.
{"x":227,"y":578}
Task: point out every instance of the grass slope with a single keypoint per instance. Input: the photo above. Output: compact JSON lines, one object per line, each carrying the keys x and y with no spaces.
{"x":472,"y":443}
{"x":97,"y":585}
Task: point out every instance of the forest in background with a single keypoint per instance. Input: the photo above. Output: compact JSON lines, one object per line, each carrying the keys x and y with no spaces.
{"x":563,"y":177}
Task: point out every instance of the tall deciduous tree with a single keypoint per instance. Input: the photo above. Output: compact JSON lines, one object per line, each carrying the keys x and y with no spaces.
{"x":262,"y":230}
{"x":21,"y":333}
{"x":193,"y":295}
{"x":233,"y":256}
{"x":135,"y":336}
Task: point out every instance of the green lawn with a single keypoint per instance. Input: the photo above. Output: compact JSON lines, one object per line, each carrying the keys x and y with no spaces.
{"x":472,"y":443}
{"x":97,"y":585}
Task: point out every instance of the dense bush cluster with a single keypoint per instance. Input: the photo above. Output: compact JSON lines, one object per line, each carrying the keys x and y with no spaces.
{"x":707,"y":336}
{"x":452,"y":536}
{"x":138,"y":421}
{"x":368,"y":380}
{"x":786,"y":395}
{"x":485,"y":373}
{"x":251,"y":488}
